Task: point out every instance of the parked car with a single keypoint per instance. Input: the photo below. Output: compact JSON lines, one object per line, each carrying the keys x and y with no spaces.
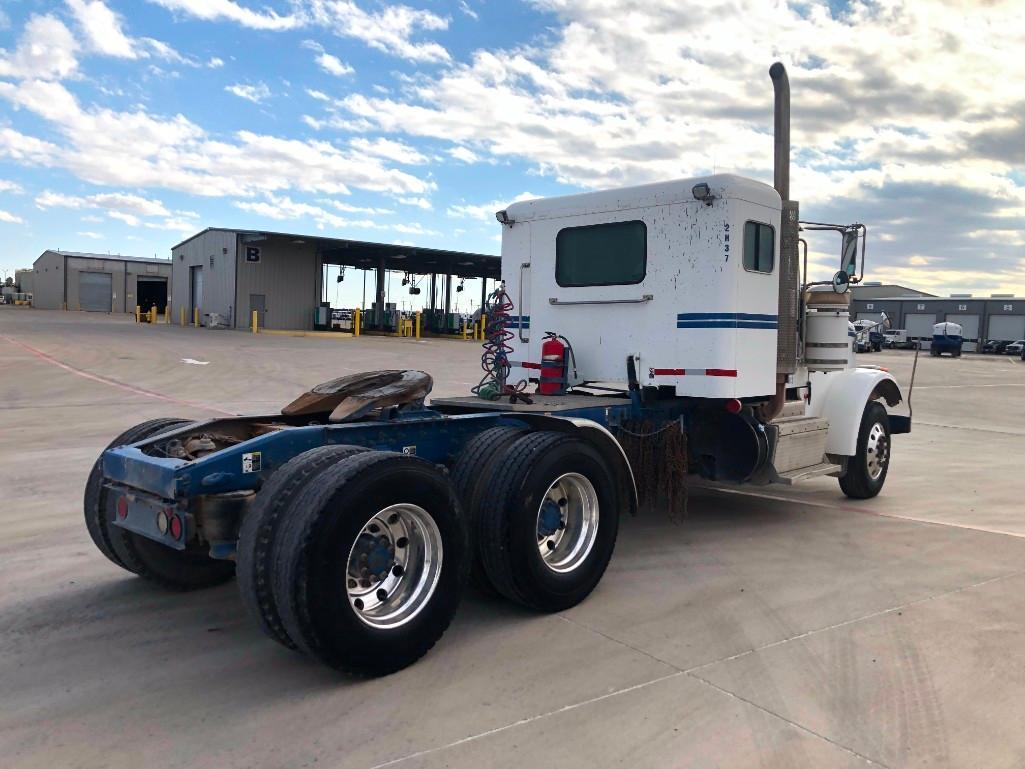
{"x":996,"y":346}
{"x":1015,"y":348}
{"x":898,"y":338}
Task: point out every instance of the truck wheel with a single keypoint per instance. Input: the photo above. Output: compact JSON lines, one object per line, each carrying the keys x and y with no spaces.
{"x":866,"y":470}
{"x":370,"y":570}
{"x":471,"y":476}
{"x":549,"y":534}
{"x":94,"y":504}
{"x":259,"y":530}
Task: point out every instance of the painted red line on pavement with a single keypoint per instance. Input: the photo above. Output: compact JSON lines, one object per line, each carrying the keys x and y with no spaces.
{"x":112,"y":382}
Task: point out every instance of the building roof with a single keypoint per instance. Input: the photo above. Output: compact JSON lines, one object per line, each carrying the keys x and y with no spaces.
{"x":885,"y":291}
{"x":109,"y":257}
{"x":367,"y":255}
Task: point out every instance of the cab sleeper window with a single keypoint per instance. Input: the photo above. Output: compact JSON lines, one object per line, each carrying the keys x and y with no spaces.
{"x":614,"y":254}
{"x":759,"y":247}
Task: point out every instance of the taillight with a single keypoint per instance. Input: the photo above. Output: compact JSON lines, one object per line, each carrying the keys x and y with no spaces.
{"x":175,"y":525}
{"x":734,"y":406}
{"x":122,"y":507}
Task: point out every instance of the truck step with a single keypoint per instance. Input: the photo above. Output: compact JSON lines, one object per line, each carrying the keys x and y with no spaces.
{"x":800,"y":442}
{"x":793,"y":409}
{"x":790,"y":477}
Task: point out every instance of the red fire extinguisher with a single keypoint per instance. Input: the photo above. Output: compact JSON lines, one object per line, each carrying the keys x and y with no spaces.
{"x":556,"y":352}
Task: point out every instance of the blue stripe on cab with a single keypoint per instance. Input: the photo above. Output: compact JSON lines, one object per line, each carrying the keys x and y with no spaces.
{"x":726,"y":320}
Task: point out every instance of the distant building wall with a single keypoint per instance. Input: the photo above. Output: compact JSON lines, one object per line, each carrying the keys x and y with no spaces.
{"x":213,"y":252}
{"x":48,"y":281}
{"x":287,"y":275}
{"x":56,"y":279}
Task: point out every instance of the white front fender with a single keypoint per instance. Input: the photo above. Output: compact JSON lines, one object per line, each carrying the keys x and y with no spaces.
{"x":841,"y":396}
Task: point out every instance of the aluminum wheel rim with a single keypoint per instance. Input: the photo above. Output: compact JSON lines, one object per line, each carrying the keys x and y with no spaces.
{"x":568,"y":545}
{"x":877,"y":451}
{"x":394,"y":566}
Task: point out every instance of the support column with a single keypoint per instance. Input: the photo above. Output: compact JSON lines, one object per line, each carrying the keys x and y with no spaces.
{"x":484,"y":294}
{"x":448,"y":296}
{"x":379,"y":313}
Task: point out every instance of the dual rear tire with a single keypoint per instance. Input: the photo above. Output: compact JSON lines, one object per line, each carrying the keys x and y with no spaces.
{"x":370,"y":569}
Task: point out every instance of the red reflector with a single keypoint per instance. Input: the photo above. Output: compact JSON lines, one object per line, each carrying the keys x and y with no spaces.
{"x":122,"y":507}
{"x":175,"y":526}
{"x":720,"y":372}
{"x":734,"y":406}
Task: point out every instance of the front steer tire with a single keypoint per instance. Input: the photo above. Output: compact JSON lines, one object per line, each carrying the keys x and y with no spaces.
{"x":318,"y":576}
{"x":866,"y":470}
{"x":538,"y":471}
{"x":259,"y":531}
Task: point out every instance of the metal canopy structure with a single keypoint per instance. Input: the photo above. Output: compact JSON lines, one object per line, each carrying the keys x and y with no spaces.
{"x":380,"y":259}
{"x":369,"y":256}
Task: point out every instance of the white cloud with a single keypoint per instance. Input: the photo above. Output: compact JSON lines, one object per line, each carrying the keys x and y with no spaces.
{"x":465,"y":8}
{"x":464,"y":154}
{"x":102,"y":28}
{"x":318,"y":95}
{"x":327,"y":62}
{"x":46,"y":51}
{"x":254,"y":93}
{"x":130,"y":219}
{"x":121,"y":202}
{"x":9,"y":218}
{"x":390,"y":150}
{"x":485,"y":211}
{"x":12,"y":187}
{"x":423,"y":203}
{"x":137,"y":149}
{"x":390,"y":30}
{"x":215,"y":62}
{"x":350,"y":209}
{"x":90,"y":234}
{"x":217,"y":10}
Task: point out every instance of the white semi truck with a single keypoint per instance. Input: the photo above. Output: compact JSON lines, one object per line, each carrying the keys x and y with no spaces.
{"x":648,"y":333}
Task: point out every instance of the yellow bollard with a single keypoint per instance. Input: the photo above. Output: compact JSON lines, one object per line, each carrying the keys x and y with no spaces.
{"x":418,"y":325}
{"x":256,"y":321}
{"x":181,"y":316}
{"x":195,"y":317}
{"x":138,"y":314}
{"x":483,"y":325}
{"x":356,"y":316}
{"x":167,"y":314}
{"x":153,"y":314}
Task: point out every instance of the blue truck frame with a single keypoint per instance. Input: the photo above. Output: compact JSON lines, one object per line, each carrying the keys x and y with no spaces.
{"x":151,"y":484}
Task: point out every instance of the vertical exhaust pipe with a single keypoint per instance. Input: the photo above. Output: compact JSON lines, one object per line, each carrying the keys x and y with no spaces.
{"x":781,"y":130}
{"x":786,"y":351}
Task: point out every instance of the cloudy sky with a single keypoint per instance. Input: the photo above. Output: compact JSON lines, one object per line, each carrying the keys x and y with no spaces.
{"x":127,"y":125}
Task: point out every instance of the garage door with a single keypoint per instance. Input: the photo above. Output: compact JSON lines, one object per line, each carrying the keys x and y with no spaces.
{"x":969,"y":330}
{"x":94,"y":291}
{"x":919,"y":326}
{"x":1006,"y":328}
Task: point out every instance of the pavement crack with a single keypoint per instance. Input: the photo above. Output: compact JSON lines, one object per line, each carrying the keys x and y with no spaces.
{"x":528,"y":720}
{"x":838,"y":745}
{"x":621,"y":642}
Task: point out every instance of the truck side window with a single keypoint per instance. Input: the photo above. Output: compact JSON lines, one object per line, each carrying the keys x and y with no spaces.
{"x":759,"y":242}
{"x":613,"y":254}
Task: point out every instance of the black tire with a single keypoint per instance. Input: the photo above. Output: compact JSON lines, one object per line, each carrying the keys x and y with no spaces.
{"x":259,"y":531}
{"x":94,"y":503}
{"x":309,"y":578}
{"x":857,"y":482}
{"x":471,"y":476}
{"x":509,"y":530}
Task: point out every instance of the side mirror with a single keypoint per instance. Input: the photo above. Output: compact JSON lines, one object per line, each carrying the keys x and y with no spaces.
{"x":841,"y":282}
{"x":849,"y":253}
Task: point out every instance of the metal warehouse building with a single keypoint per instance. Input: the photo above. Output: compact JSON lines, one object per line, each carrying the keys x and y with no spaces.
{"x":280,"y":276}
{"x":1000,"y":316}
{"x":99,"y":282}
